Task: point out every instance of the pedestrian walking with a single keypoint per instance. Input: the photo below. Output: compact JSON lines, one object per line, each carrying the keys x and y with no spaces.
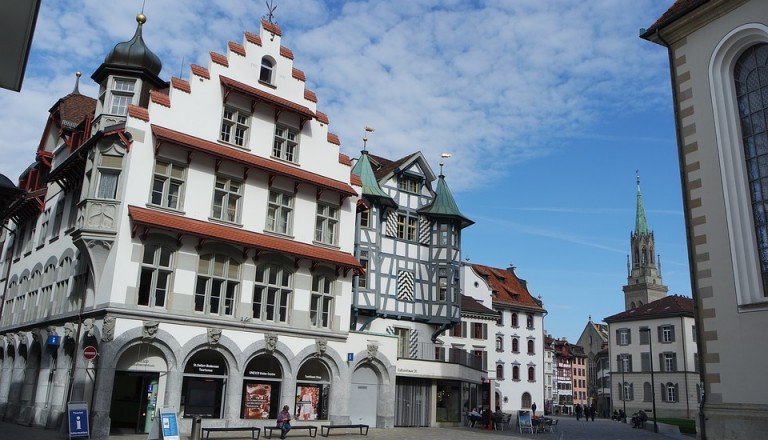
{"x":533,"y":409}
{"x":592,"y":412}
{"x":578,"y":410}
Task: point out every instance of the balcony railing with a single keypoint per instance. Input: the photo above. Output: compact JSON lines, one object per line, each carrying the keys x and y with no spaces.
{"x":428,"y":351}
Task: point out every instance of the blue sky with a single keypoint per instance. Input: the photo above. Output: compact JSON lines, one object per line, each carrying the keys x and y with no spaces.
{"x":547,"y":107}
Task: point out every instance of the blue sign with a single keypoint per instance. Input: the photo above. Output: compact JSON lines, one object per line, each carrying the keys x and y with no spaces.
{"x":350,"y":357}
{"x":77,"y":413}
{"x":54,"y":340}
{"x":169,"y":425}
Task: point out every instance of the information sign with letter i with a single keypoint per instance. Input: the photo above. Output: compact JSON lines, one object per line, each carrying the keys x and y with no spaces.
{"x":77,"y":414}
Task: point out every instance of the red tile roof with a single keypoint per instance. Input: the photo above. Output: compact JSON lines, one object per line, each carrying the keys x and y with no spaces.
{"x":677,"y":10}
{"x":267,"y":97}
{"x":249,"y":160}
{"x":672,"y":305}
{"x":219,"y":59}
{"x":73,"y":109}
{"x":137,"y":112}
{"x":178,"y":83}
{"x":471,"y":305}
{"x":240,"y":237}
{"x":271,"y":27}
{"x":507,"y":288}
{"x":356,"y":180}
{"x":284,"y":51}
{"x":253,"y":38}
{"x":333,"y":138}
{"x":322,"y":117}
{"x":160,"y":98}
{"x":201,"y":71}
{"x":236,"y":48}
{"x":298,"y":74}
{"x":309,"y":95}
{"x":344,"y":159}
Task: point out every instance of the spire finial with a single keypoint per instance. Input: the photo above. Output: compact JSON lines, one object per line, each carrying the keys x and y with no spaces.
{"x":443,"y":156}
{"x":365,"y":137}
{"x":76,"y":90}
{"x":641,"y":224}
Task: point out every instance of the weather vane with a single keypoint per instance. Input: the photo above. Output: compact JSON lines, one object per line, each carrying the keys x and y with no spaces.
{"x":271,"y":8}
{"x":365,"y":136}
{"x":443,"y":156}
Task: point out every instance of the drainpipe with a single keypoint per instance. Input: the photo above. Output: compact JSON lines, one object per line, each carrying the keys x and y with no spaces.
{"x":688,"y":233}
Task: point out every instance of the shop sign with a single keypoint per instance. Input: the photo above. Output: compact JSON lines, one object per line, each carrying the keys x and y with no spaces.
{"x":207,"y":368}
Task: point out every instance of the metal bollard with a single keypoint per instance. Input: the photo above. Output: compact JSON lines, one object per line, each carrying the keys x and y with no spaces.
{"x":197,"y":426}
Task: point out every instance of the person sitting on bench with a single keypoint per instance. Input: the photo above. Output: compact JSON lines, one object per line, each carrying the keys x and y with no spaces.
{"x":284,"y":421}
{"x":639,"y":419}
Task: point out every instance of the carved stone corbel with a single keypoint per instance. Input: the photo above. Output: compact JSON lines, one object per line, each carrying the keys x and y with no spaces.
{"x":108,"y":328}
{"x":214,"y":334}
{"x":270,"y":341}
{"x":150,"y":330}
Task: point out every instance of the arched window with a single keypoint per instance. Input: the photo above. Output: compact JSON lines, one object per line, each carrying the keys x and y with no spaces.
{"x":529,"y":321}
{"x":156,"y":270}
{"x":272,"y":293}
{"x":515,"y":372}
{"x":647,"y":392}
{"x":531,"y":349}
{"x":499,"y":343}
{"x":525,"y":401}
{"x":514,"y":320}
{"x":267,"y":69}
{"x":218,"y":279}
{"x":515,"y":345}
{"x":499,"y":372}
{"x":531,"y":374}
{"x":751,"y":79}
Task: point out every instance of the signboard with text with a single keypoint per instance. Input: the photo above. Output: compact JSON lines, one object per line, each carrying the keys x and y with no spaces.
{"x":77,"y":414}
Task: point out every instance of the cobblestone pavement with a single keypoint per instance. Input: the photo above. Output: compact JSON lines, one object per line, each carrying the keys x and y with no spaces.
{"x":567,"y":429}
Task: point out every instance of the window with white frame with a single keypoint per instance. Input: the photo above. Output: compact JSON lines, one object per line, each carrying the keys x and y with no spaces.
{"x":326,"y":224}
{"x":409,"y":184}
{"x":321,"y":303}
{"x":58,"y":215}
{"x":226,"y":199}
{"x":267,"y":69}
{"x":500,"y":317}
{"x":280,"y":212}
{"x":272,"y":292}
{"x":122,"y":95}
{"x":286,"y":144}
{"x":669,"y":392}
{"x":529,"y":321}
{"x":669,"y":361}
{"x":623,"y":336}
{"x":403,"y":342}
{"x":234,"y":126}
{"x":154,"y":280}
{"x":499,"y":343}
{"x":167,"y":185}
{"x":362,"y":278}
{"x":218,"y":280}
{"x":667,"y":334}
{"x":365,"y":218}
{"x":442,"y":284}
{"x":407,"y":226}
{"x":109,"y":176}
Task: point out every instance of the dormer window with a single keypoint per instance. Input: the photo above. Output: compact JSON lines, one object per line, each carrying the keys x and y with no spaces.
{"x":409,"y":184}
{"x":267,"y":68}
{"x":122,"y":95}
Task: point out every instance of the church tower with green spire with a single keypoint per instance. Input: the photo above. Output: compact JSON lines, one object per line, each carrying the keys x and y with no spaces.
{"x":644,"y":283}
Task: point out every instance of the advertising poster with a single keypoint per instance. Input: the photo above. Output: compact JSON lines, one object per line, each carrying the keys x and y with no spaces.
{"x":257,"y":400}
{"x":307,"y":398}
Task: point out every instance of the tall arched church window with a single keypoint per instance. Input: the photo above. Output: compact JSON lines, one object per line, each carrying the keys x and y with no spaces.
{"x":751,"y":80}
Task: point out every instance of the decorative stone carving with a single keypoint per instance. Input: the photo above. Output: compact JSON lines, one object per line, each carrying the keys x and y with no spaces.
{"x":69,"y":330}
{"x":372,"y":349}
{"x":88,"y":326}
{"x":51,"y":330}
{"x":321,"y":344}
{"x":150,"y":329}
{"x":108,"y":328}
{"x":271,"y":341}
{"x":214,"y":334}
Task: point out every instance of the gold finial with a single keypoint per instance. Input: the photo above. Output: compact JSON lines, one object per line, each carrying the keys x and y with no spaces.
{"x":141,"y":18}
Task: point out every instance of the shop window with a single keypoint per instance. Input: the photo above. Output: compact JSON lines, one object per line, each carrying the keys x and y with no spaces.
{"x":262,"y":380}
{"x":313,"y":386}
{"x":203,"y":385}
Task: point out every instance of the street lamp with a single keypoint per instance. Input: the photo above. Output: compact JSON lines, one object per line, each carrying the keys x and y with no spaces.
{"x":620,"y":360}
{"x":653,"y":385}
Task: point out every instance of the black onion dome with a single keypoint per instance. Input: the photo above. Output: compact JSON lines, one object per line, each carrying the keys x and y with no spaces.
{"x":135,"y":52}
